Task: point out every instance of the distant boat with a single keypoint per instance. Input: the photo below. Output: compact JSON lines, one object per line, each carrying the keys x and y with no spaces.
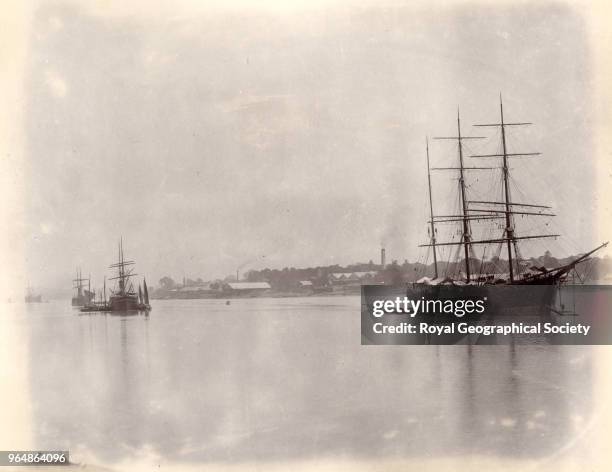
{"x":83,"y":296}
{"x":125,"y":298}
{"x":31,"y":297}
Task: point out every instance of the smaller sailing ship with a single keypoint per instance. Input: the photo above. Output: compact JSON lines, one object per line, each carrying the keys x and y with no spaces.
{"x":84,"y":296}
{"x":124,"y":297}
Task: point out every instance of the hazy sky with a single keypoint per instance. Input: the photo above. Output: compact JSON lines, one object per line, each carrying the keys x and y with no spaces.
{"x":214,"y":138}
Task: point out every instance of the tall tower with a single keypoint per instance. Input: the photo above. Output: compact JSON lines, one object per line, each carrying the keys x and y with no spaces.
{"x":383,"y":262}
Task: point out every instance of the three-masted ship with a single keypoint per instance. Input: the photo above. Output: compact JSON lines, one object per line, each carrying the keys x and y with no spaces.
{"x":502,"y":210}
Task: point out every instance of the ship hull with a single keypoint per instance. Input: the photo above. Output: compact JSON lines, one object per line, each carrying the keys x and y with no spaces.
{"x":124,"y":303}
{"x":82,"y":300}
{"x":449,"y":292}
{"x":505,"y":303}
{"x":79,"y":301}
{"x":501,"y":299}
{"x":521,"y":299}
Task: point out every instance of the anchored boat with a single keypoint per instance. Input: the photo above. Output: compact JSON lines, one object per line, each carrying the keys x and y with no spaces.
{"x":84,"y":296}
{"x":125,"y":298}
{"x":518,"y":288}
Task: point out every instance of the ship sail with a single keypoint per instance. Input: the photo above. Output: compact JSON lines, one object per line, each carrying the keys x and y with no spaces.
{"x":146,"y":292}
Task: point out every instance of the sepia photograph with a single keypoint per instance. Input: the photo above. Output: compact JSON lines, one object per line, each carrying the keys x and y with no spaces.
{"x":302,"y":235}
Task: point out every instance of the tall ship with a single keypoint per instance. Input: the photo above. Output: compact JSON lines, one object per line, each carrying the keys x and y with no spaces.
{"x":496,"y":220}
{"x":475,"y":244}
{"x":124,"y":297}
{"x":83,"y":295}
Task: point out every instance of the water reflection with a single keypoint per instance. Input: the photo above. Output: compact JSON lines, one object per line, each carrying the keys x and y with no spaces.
{"x":288,"y":379}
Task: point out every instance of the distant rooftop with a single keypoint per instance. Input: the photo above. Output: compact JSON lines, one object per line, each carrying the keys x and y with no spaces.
{"x":353,"y":275}
{"x":194,"y":288}
{"x":249,"y":285}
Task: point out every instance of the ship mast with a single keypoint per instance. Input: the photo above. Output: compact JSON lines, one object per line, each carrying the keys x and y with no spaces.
{"x":509,"y":220}
{"x":510,"y":237}
{"x":465,"y":218}
{"x":123,"y":273}
{"x":121,"y":269}
{"x":431,"y":221}
{"x":79,"y":282}
{"x":466,"y":227}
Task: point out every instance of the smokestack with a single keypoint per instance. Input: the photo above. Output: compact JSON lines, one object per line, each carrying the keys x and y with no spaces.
{"x":383,"y":261}
{"x":237,"y":275}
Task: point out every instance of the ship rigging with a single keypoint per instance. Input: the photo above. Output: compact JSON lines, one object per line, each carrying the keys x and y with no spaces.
{"x":491,"y":210}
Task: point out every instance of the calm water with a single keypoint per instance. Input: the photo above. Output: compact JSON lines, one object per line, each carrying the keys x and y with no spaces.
{"x":269,"y":379}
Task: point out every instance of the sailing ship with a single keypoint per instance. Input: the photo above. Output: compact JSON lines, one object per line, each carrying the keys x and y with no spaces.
{"x":502,"y":210}
{"x":124,"y":297}
{"x":518,"y":291}
{"x":83,"y":296}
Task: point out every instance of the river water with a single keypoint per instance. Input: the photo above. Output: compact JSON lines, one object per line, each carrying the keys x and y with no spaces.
{"x":200,"y":381}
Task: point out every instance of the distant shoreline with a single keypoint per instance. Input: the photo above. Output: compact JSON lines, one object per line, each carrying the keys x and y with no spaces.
{"x":230,"y":296}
